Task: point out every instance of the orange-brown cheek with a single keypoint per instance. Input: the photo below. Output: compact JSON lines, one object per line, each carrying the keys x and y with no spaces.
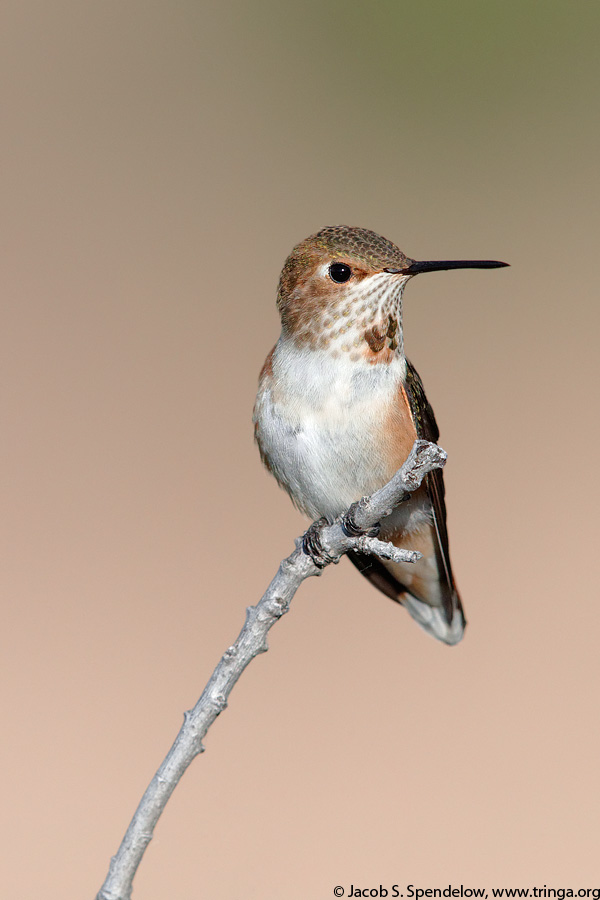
{"x":316,"y":308}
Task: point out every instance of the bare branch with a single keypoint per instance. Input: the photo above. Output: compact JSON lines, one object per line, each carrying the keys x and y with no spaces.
{"x":384,"y":550}
{"x":321,"y":545}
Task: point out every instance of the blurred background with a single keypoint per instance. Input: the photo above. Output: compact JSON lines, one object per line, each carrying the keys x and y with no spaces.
{"x":159,"y":161}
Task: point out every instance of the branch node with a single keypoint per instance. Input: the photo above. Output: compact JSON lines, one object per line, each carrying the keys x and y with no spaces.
{"x":219,"y":702}
{"x":422,"y":456}
{"x":251,"y":614}
{"x":280,"y":606}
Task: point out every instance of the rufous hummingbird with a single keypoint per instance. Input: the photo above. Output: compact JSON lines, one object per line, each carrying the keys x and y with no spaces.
{"x":339,"y":407}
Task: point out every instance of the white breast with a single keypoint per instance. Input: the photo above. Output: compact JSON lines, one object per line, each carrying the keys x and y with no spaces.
{"x":320,"y":421}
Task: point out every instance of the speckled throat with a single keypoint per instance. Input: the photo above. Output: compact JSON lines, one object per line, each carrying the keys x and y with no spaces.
{"x":364,"y":322}
{"x":361,"y":318}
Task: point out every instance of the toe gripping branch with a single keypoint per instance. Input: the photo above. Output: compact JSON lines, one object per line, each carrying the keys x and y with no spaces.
{"x":313,"y":547}
{"x":350,"y":526}
{"x":312,"y":544}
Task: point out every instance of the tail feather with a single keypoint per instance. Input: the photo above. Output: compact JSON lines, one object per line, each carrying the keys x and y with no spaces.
{"x":434,"y":619}
{"x":445,"y":621}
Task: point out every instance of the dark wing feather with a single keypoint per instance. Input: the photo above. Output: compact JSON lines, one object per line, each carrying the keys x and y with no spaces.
{"x":427,"y":429}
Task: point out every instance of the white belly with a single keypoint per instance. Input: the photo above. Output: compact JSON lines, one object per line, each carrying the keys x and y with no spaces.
{"x":320,"y":423}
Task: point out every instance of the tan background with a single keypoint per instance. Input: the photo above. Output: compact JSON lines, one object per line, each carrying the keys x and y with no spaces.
{"x":159,"y":162}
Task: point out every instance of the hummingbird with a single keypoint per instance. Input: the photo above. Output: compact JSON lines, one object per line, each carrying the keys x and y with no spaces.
{"x":339,"y":407}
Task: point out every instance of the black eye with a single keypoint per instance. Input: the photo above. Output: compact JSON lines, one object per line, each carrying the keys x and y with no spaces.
{"x":340,"y":272}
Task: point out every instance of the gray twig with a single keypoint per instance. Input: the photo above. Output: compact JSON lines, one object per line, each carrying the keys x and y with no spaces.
{"x":322,"y":544}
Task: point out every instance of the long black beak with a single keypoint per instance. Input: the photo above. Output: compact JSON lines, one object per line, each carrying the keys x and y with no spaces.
{"x":415,"y":268}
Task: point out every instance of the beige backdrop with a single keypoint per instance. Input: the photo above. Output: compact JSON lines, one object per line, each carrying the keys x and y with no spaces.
{"x":159,"y":162}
